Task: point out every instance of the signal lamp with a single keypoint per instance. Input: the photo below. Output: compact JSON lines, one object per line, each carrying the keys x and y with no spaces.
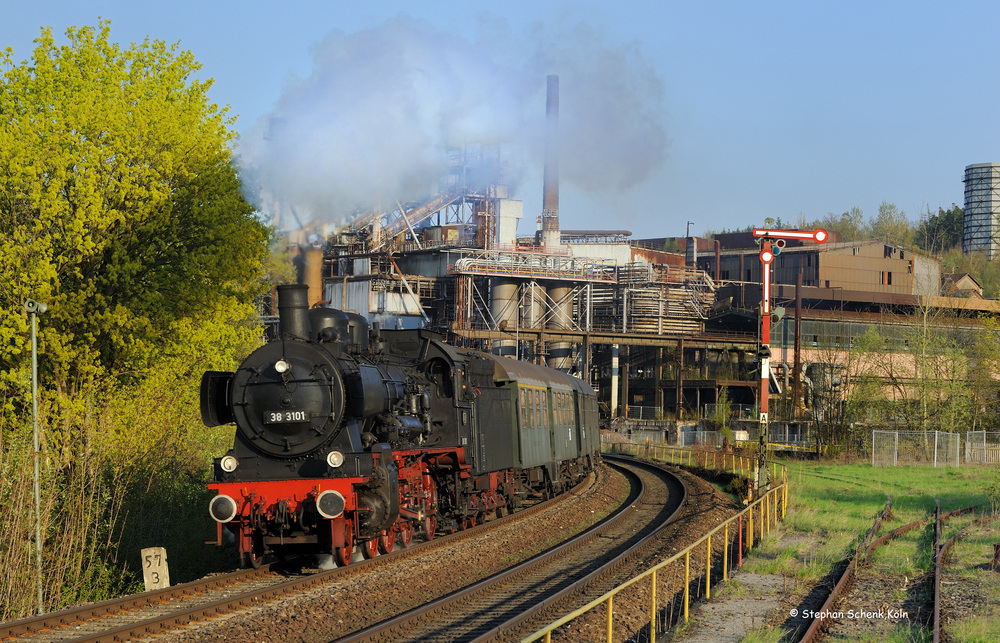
{"x":335,"y":459}
{"x":282,"y":366}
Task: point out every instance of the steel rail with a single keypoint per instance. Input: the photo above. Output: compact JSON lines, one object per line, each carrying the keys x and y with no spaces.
{"x":392,"y":629}
{"x":905,"y":528}
{"x":939,"y":556}
{"x":552,"y":603}
{"x":55,"y":621}
{"x":814,"y":630}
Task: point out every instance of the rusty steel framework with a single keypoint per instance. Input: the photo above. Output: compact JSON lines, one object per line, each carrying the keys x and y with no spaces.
{"x":568,"y":303}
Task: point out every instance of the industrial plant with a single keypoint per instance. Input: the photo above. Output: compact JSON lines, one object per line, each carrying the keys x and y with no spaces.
{"x":662,"y":335}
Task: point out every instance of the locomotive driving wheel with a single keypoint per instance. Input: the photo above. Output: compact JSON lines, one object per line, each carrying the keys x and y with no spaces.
{"x":406,"y":533}
{"x":430,"y":526}
{"x":387,"y":540}
{"x":369,"y":548}
{"x":253,"y":558}
{"x":343,"y":555}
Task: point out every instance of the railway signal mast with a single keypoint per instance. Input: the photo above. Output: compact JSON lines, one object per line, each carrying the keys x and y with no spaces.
{"x":771,"y":243}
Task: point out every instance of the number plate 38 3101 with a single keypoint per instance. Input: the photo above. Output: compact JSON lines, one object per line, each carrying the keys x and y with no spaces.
{"x":282,"y":417}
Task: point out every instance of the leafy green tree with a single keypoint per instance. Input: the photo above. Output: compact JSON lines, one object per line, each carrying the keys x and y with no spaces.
{"x":984,"y":388}
{"x":119,"y":204}
{"x":986,"y":272}
{"x":849,"y":225}
{"x":121,"y":207}
{"x":939,"y":232}
{"x":890,"y":224}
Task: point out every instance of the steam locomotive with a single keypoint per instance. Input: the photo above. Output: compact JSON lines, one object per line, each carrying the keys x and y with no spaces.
{"x":350,"y":436}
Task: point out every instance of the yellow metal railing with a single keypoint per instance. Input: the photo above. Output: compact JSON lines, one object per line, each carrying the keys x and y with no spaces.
{"x":755,"y":522}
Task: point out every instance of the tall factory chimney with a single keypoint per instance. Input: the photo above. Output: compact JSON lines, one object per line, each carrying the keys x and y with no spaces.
{"x":550,"y":190}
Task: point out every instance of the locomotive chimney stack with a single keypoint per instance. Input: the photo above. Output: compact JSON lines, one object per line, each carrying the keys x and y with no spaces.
{"x":293,"y":311}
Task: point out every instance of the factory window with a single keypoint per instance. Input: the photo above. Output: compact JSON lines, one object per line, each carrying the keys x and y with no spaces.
{"x":856,"y":250}
{"x":724,"y":274}
{"x":749,"y":275}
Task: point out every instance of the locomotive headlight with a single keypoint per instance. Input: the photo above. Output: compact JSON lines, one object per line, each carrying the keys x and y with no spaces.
{"x":229,"y":463}
{"x":282,"y":366}
{"x":335,"y":459}
{"x":222,"y":508}
{"x":330,"y":504}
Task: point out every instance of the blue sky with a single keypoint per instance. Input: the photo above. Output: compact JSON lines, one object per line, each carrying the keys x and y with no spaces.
{"x":725,"y":112}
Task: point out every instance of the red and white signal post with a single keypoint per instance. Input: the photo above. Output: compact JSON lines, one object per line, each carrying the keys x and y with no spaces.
{"x":771,"y":243}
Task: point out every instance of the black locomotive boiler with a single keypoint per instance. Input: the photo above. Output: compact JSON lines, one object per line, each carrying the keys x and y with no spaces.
{"x":351,"y":436}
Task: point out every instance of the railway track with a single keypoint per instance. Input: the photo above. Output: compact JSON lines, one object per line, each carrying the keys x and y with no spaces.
{"x":924,"y":605}
{"x":510,"y":604}
{"x":153,"y":613}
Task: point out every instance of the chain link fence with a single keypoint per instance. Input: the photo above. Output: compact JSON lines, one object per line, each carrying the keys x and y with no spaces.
{"x":982,"y":447}
{"x":926,"y":448}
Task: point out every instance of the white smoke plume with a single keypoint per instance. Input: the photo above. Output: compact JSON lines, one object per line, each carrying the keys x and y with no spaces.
{"x":373,"y":122}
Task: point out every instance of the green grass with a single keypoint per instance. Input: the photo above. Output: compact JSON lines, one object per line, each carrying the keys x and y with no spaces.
{"x":968,"y":565}
{"x":903,"y":633}
{"x":831,"y":508}
{"x":764,"y":634}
